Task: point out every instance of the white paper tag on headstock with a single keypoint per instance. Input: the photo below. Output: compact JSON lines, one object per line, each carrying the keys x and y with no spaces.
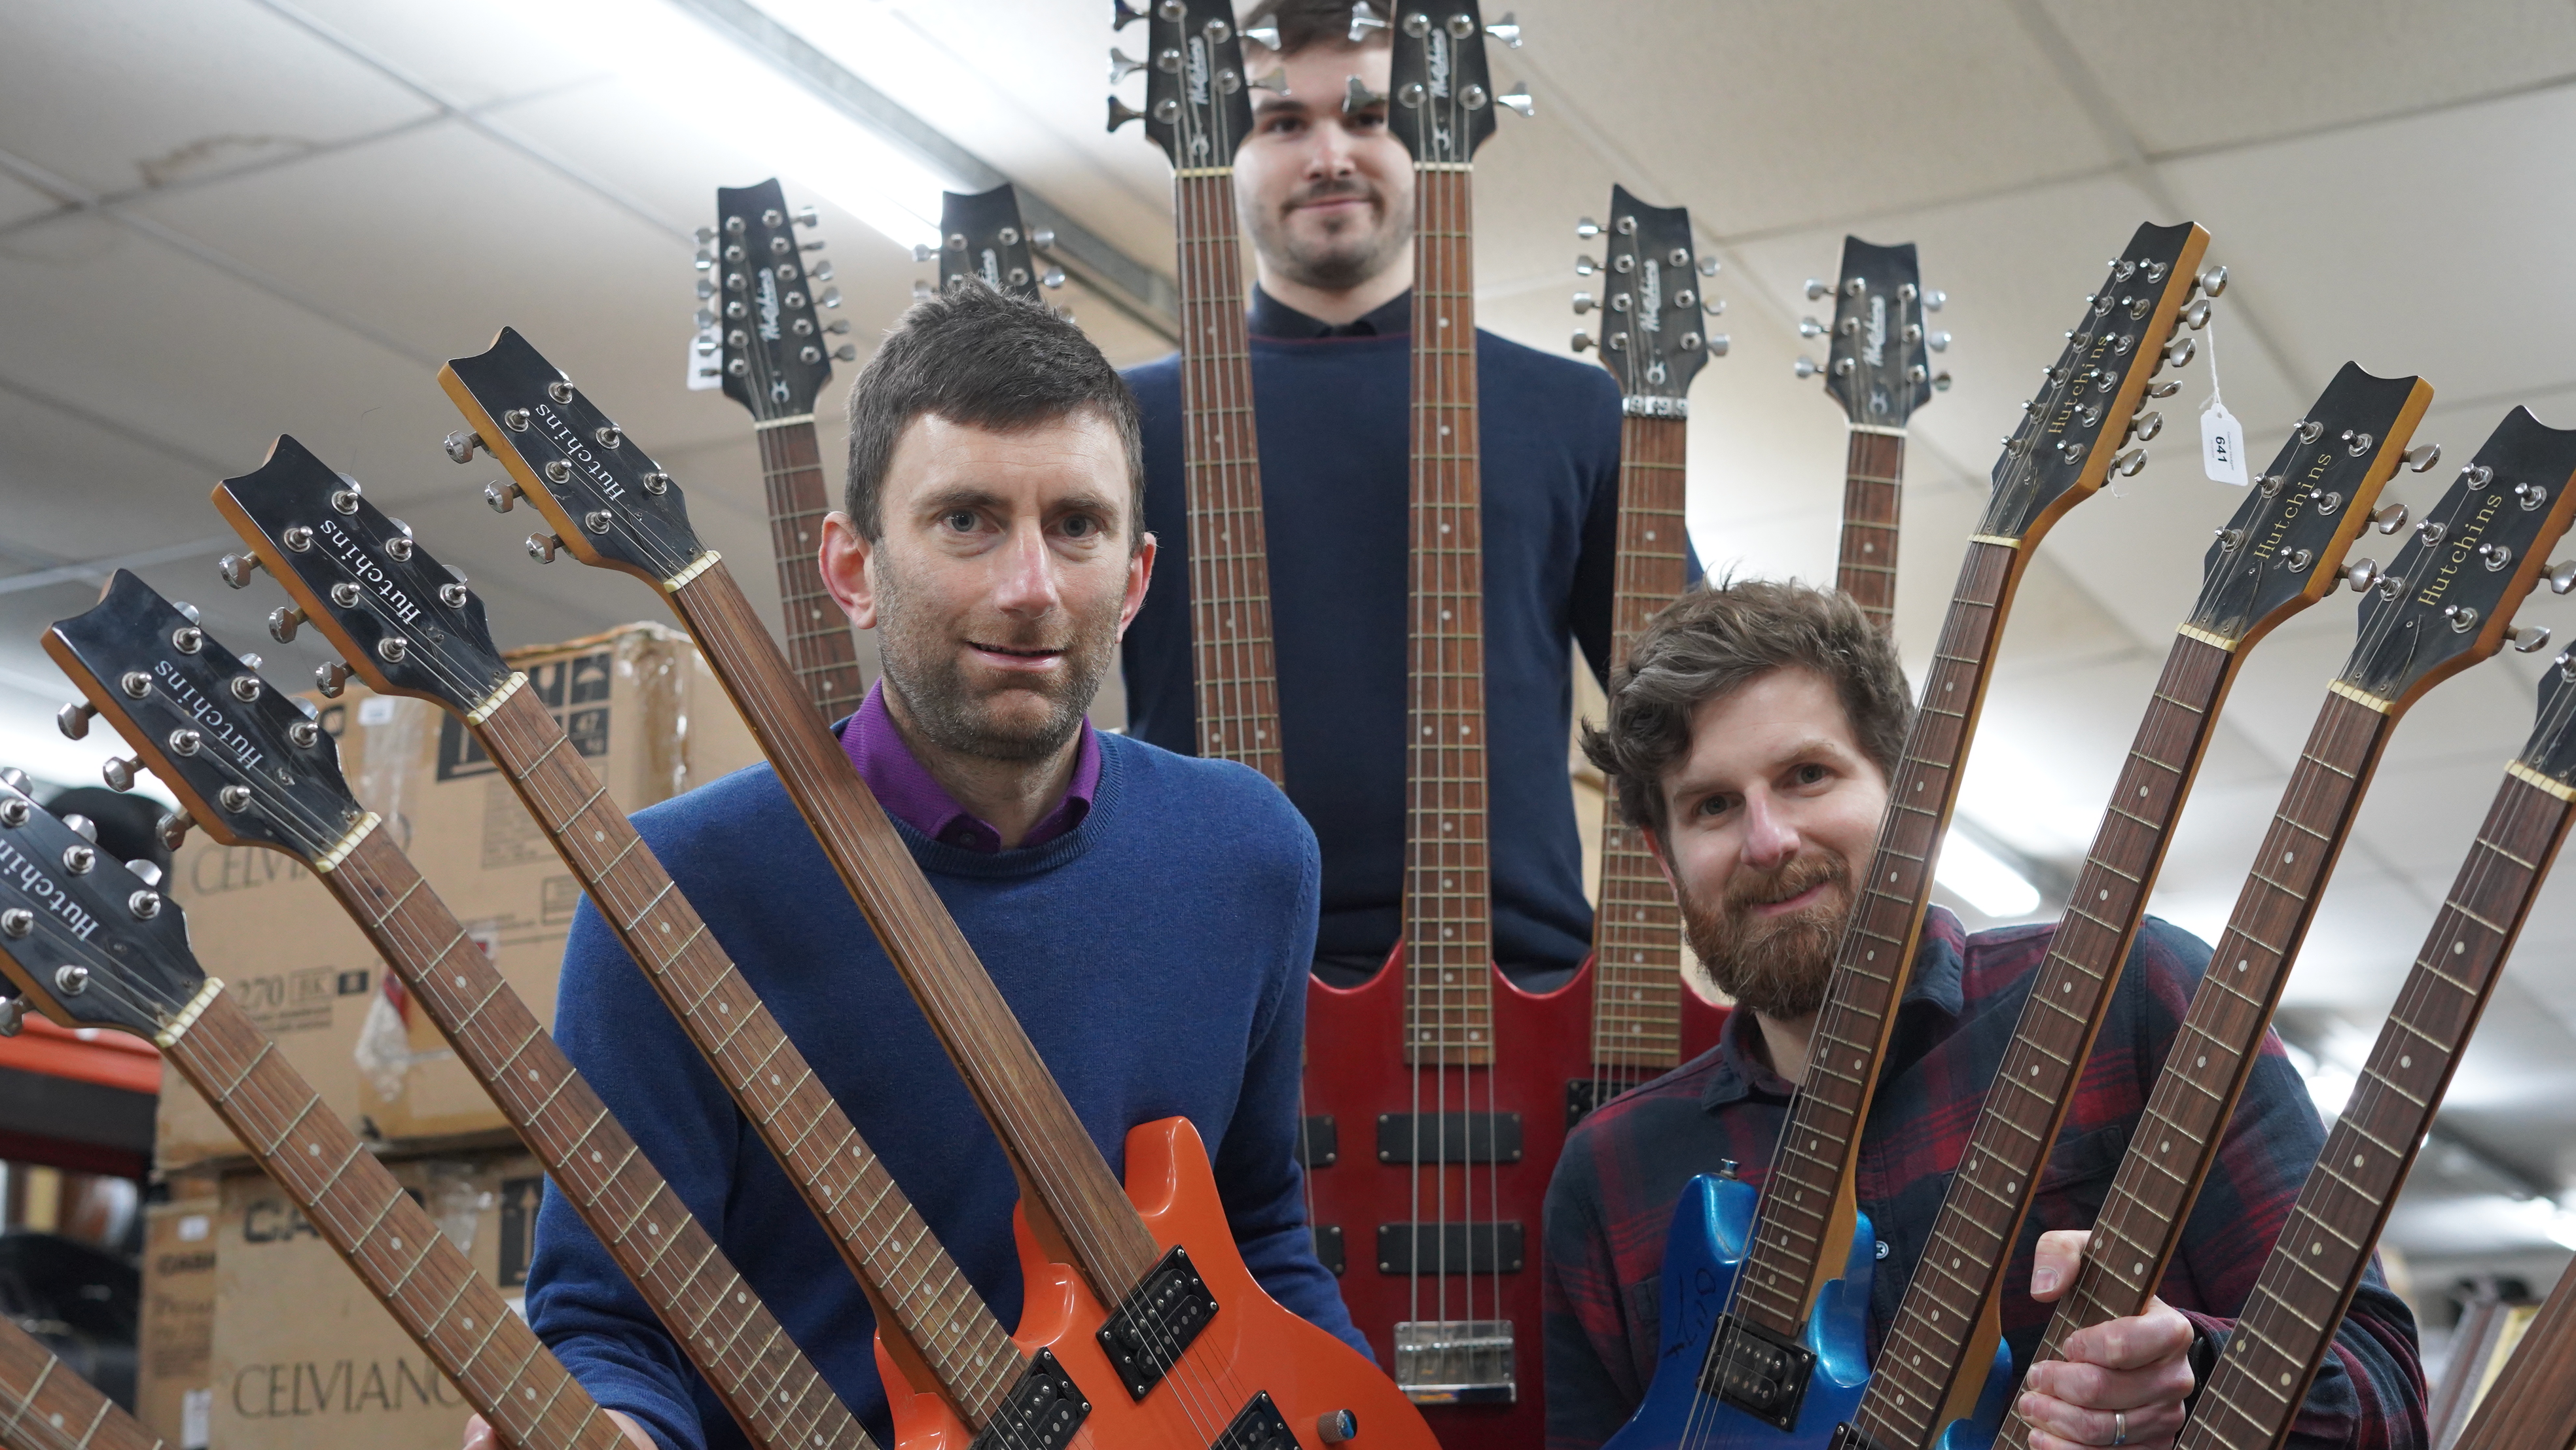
{"x":2222,"y":444}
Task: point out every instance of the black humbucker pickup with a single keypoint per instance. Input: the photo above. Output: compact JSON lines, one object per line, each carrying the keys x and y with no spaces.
{"x":1328,"y":1247}
{"x":1041,"y":1412}
{"x":1319,"y":1142}
{"x":1259,"y":1427}
{"x":1757,"y":1371}
{"x":1583,"y":1094}
{"x":1155,"y":1323}
{"x":1449,"y":1137}
{"x":1449,"y":1248}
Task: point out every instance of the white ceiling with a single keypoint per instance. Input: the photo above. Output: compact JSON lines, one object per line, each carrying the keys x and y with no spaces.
{"x":225,"y":219}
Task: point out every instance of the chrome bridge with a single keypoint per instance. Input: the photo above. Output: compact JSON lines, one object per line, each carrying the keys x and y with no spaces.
{"x":1455,"y":1361}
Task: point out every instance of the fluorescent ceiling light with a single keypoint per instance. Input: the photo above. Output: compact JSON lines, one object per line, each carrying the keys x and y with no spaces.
{"x":705,"y":80}
{"x":1983,"y":879}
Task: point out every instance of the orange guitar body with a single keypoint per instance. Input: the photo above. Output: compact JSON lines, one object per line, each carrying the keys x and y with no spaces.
{"x":1251,"y":1345}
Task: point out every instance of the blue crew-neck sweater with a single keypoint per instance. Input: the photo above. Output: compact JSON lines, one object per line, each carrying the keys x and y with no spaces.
{"x":1333,"y":415}
{"x":1156,"y":954}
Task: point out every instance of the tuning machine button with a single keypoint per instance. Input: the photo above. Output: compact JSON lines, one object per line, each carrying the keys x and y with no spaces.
{"x":2561,"y":577}
{"x":2164,"y":389}
{"x":502,"y":495}
{"x":1507,"y":30}
{"x":1586,"y":229}
{"x":1357,"y":97}
{"x":542,"y":547}
{"x":2128,"y":464}
{"x":2196,"y":316}
{"x":1582,"y":340}
{"x":1718,"y":343}
{"x":1938,"y":341}
{"x":2211,"y":281}
{"x":331,"y":678}
{"x":283,"y":621}
{"x":73,"y":719}
{"x":460,"y":445}
{"x":13,"y":1010}
{"x":1810,"y":327}
{"x":1364,"y":20}
{"x":2527,"y":639}
{"x":2390,"y":518}
{"x":1122,"y":65}
{"x":236,"y":569}
{"x":120,"y":774}
{"x":1805,"y":367}
{"x":2423,"y":456}
{"x":2179,"y":352}
{"x":2146,"y":426}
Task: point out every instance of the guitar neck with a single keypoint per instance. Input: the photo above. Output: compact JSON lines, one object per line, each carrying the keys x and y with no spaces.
{"x":1231,"y":645}
{"x":2176,"y":1142}
{"x":768,"y":1384}
{"x":2532,"y":1404}
{"x":1636,"y":927}
{"x":824,"y":656}
{"x":1072,"y":1196}
{"x":1804,"y":1199}
{"x":453,"y":1313}
{"x":1448,"y":924}
{"x":2288,"y":1322}
{"x":930,"y":1307}
{"x":1873,"y":472}
{"x":1981,"y":1216}
{"x":44,"y":1406}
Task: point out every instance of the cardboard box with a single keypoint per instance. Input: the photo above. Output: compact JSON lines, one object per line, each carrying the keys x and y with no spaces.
{"x":303,"y":1357}
{"x":173,"y":1382}
{"x":638,"y":704}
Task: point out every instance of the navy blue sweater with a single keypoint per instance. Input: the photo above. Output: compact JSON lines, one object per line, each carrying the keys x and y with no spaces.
{"x":1334,"y":420}
{"x":1157,"y":955}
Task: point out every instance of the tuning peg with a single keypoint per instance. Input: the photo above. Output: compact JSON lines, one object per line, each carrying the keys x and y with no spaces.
{"x":807,"y":216}
{"x":2196,"y":316}
{"x":1713,"y":306}
{"x":83,"y":827}
{"x":282,"y":622}
{"x":1265,"y":34}
{"x":846,"y":352}
{"x":331,"y":678}
{"x":1805,"y":367}
{"x":2211,"y":281}
{"x":2562,"y":577}
{"x":1357,"y":97}
{"x":705,"y":261}
{"x":1934,"y":299}
{"x":1941,"y":381}
{"x":1718,"y":343}
{"x":923,"y":251}
{"x":837,"y":325}
{"x":1937,"y":341}
{"x":2164,"y":389}
{"x":2128,"y":464}
{"x":145,"y":871}
{"x":1818,"y":289}
{"x":1584,"y":265}
{"x":923,"y":291}
{"x":2181,"y":351}
{"x":1582,"y":340}
{"x":706,"y":289}
{"x":119,"y":774}
{"x":1054,"y":278}
{"x":1585,"y":229}
{"x":502,"y":495}
{"x":542,"y":547}
{"x":1517,"y":101}
{"x":1121,"y":13}
{"x":460,"y":445}
{"x":820,"y":271}
{"x":237,"y":569}
{"x":1708,"y":266}
{"x":13,"y":1016}
{"x":1364,"y":20}
{"x":2146,"y":426}
{"x":2422,"y":457}
{"x":829,"y":299}
{"x":2390,"y":518}
{"x":1810,"y":327}
{"x":1122,"y":65}
{"x":1507,"y":30}
{"x":706,"y":235}
{"x":2363,"y":574}
{"x":2527,"y":638}
{"x":73,"y":719}
{"x":1583,"y":303}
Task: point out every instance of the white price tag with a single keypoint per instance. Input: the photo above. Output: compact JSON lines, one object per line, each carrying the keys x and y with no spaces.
{"x":2222,"y":444}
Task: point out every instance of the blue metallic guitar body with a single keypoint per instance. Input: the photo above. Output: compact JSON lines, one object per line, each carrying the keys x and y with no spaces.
{"x":1710,"y":1230}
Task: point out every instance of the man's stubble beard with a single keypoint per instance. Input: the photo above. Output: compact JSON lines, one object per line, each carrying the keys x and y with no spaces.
{"x":1779,"y":967}
{"x":1346,"y":258}
{"x":920,"y":663}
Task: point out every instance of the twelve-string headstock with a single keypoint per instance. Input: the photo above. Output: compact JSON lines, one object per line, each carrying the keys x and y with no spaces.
{"x":2074,"y":429}
{"x":253,"y":766}
{"x":407,"y":624}
{"x":1198,"y":103}
{"x":981,"y":236}
{"x":1878,"y":363}
{"x":86,"y":940}
{"x":1652,"y":337}
{"x":2284,"y":547}
{"x":1440,"y":99}
{"x":2447,"y":600}
{"x":609,"y":503}
{"x":756,"y":305}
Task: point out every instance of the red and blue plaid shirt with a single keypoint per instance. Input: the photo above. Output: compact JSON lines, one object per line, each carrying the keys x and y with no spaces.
{"x":1624,"y":1168}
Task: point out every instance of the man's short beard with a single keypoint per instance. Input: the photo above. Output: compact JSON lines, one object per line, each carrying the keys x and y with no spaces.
{"x":919,"y":659}
{"x":1777,"y":966}
{"x":1342,"y":261}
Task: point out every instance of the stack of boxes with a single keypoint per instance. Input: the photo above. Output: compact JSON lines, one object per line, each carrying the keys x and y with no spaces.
{"x":255,"y":1334}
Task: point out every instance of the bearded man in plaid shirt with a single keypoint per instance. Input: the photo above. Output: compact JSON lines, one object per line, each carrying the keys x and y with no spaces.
{"x":1752,"y":735}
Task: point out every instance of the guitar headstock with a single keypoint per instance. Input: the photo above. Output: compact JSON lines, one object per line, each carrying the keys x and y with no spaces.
{"x":2072,"y":431}
{"x":86,"y":940}
{"x":1878,"y":365}
{"x":981,"y":236}
{"x":1198,"y":103}
{"x":759,"y":299}
{"x":1651,"y":334}
{"x":246,"y":762}
{"x":407,"y":624}
{"x":1440,"y":99}
{"x":2284,"y":547}
{"x":2446,"y":601}
{"x":610,"y":505}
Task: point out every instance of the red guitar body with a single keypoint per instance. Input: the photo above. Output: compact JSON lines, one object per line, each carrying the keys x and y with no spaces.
{"x":1251,"y":1344}
{"x":1356,"y":1072}
{"x":1702,"y":1020}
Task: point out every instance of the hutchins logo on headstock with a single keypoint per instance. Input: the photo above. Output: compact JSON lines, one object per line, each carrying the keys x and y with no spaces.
{"x":214,"y":726}
{"x":363,"y":567}
{"x":22,"y":871}
{"x":566,"y":437}
{"x":2463,"y":542}
{"x":2087,"y":373}
{"x":2295,"y":504}
{"x":1874,"y":337}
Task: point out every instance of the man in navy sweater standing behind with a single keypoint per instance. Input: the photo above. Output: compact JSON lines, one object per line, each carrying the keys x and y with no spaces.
{"x":1327,"y":197}
{"x":1149,"y":918}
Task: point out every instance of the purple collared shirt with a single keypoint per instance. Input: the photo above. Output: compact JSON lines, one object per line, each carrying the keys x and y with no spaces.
{"x":908,"y":791}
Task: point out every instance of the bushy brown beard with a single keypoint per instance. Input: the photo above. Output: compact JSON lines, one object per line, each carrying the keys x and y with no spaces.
{"x":1777,"y":966}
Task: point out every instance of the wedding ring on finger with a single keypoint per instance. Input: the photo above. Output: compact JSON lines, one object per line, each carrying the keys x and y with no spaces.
{"x":2119,"y":1428}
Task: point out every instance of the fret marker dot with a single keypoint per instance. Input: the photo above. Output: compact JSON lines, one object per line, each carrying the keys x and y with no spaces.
{"x":2201,"y":1061}
{"x":2240,"y":964}
{"x":2137,"y":1268}
{"x":2142,"y":790}
{"x":2356,"y":1160}
{"x":397,"y":1243}
{"x":594,"y":1155}
{"x":313,"y":1148}
{"x":2034,"y":1069}
{"x":599,"y":835}
{"x":468,"y":1321}
{"x":2406,"y":1062}
{"x":652,"y":1228}
{"x":460,"y":981}
{"x":724,"y":1006}
{"x":530,"y":1392}
{"x":1650,"y":536}
{"x":2458,"y":947}
{"x":2285,"y":1381}
{"x":2066,"y":986}
{"x":2165,"y":1147}
{"x":2289,"y":856}
{"x":2106,"y":893}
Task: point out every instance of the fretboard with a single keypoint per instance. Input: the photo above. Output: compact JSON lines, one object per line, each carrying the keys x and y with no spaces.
{"x":1072,"y":1193}
{"x":819,"y":646}
{"x":453,"y":1313}
{"x":2288,"y":1322}
{"x":1448,"y":920}
{"x":1801,"y":1206}
{"x":1231,"y":651}
{"x":1915,"y":1388}
{"x":44,"y":1406}
{"x":1873,"y":471}
{"x":2533,"y":1400}
{"x":880,"y":1235}
{"x":768,"y":1384}
{"x":2176,"y":1141}
{"x":1636,"y":927}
